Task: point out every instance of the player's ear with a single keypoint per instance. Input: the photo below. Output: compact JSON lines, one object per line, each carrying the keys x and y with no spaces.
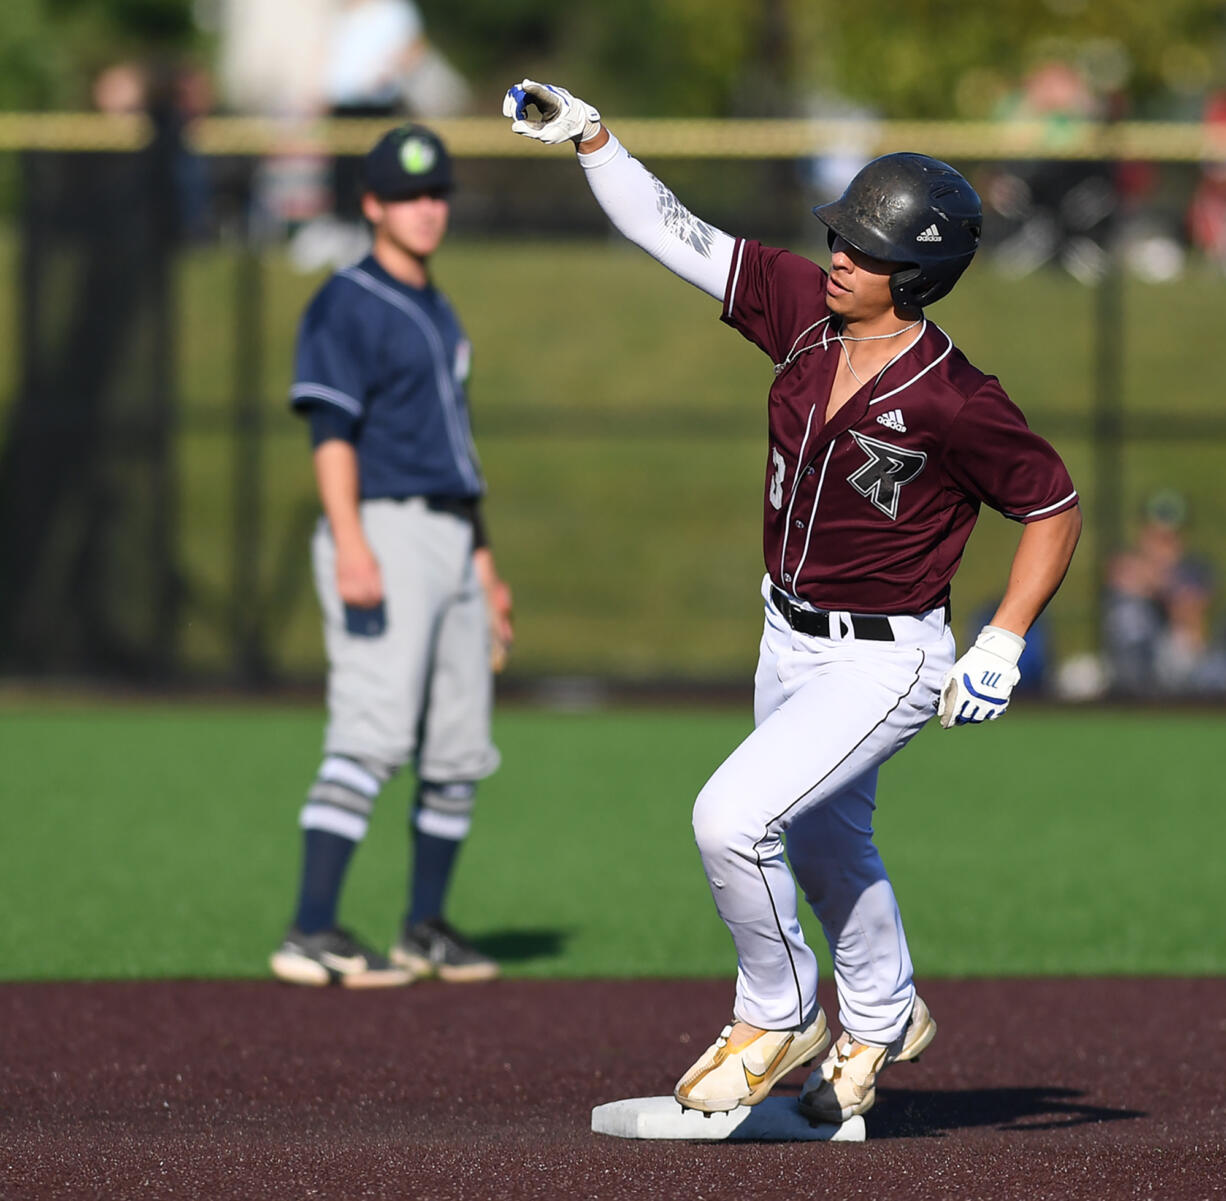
{"x":372,"y":208}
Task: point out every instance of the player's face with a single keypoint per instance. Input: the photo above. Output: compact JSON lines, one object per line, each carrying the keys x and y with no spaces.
{"x":415,"y":227}
{"x":858,"y":287}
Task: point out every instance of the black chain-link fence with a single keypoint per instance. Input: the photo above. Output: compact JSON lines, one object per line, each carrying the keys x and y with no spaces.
{"x":109,"y":418}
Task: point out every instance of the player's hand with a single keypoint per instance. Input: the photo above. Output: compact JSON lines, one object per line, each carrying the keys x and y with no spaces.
{"x":358,"y":578}
{"x":502,"y":632}
{"x":978,"y":686}
{"x":563,"y":117}
{"x":498,"y":606}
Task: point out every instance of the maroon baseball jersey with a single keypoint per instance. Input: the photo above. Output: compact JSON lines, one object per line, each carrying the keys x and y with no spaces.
{"x":870,"y":511}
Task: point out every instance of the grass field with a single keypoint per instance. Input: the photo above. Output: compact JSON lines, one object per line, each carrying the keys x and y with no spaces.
{"x":159,"y":841}
{"x":625,"y":458}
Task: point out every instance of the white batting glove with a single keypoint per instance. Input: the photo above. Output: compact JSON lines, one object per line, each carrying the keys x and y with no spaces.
{"x":564,"y":118}
{"x":978,"y":686}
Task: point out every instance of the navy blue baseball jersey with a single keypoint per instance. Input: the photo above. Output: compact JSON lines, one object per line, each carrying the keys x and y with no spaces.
{"x":388,"y":364}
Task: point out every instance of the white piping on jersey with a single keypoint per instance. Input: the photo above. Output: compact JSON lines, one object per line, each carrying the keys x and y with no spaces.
{"x":461,"y":442}
{"x":817,"y":495}
{"x":800,"y":460}
{"x":1046,"y":508}
{"x":736,"y":275}
{"x":949,"y":345}
{"x":310,"y":391}
{"x":910,"y":345}
{"x":825,"y":345}
{"x":793,"y":354}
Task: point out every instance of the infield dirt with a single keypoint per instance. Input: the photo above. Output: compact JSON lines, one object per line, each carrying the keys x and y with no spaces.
{"x":1033,"y":1089}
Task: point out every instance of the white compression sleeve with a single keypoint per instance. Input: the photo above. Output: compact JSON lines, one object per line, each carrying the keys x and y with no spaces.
{"x":648,"y":213}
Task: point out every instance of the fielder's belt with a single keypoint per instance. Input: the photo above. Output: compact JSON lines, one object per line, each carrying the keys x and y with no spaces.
{"x":816,"y":622}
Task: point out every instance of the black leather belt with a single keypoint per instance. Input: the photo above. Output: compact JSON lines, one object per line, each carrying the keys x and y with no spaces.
{"x":460,"y":506}
{"x":816,"y":622}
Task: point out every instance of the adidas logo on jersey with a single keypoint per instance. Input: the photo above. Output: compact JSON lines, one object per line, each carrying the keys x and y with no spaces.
{"x":893,"y":420}
{"x":931,"y":234}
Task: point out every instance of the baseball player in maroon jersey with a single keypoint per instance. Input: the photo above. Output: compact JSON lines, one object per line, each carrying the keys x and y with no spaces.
{"x":883,"y":444}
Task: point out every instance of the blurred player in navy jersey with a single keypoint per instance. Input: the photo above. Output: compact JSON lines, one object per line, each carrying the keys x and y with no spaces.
{"x":416,"y":616}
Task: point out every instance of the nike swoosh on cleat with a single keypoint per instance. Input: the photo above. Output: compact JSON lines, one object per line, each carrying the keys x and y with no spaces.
{"x":753,"y":1079}
{"x":342,"y":963}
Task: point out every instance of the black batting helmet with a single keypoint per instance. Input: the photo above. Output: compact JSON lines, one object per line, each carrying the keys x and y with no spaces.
{"x":913,"y":210}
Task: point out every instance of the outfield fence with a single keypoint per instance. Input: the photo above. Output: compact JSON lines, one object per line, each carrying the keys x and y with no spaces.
{"x":151,"y":530}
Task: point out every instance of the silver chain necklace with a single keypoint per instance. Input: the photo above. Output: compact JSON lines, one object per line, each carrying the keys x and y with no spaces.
{"x":843,"y":339}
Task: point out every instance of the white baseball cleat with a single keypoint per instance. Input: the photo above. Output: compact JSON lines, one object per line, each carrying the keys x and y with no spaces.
{"x":742,"y":1070}
{"x":846,"y":1082}
{"x":333,"y":957}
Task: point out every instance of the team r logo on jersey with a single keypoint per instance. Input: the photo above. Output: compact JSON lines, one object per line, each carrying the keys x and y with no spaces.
{"x":888,"y":468}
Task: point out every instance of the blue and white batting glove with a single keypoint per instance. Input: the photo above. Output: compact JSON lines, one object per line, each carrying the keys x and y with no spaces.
{"x":978,"y":686}
{"x":564,"y":118}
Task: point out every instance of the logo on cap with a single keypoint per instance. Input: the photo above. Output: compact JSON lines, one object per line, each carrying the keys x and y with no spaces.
{"x":417,"y":155}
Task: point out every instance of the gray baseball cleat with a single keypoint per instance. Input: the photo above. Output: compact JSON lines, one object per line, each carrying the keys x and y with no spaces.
{"x":333,"y":957}
{"x":436,"y":948}
{"x":729,"y":1074}
{"x":846,"y":1082}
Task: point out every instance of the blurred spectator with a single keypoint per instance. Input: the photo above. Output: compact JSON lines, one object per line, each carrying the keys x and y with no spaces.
{"x":174,"y":92}
{"x":1054,"y":210}
{"x":380,"y":64}
{"x":1207,"y":212}
{"x":1188,"y":660}
{"x":121,"y":88}
{"x":828,"y":172}
{"x":373,"y":45}
{"x":297,"y":60}
{"x":1157,"y":629}
{"x":271,"y":56}
{"x":270,"y":63}
{"x":193,"y":97}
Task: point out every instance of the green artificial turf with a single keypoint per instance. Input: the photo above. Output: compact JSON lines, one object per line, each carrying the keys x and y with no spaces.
{"x":160,"y":841}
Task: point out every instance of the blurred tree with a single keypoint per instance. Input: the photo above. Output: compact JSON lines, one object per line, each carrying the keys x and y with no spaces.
{"x":906,"y":58}
{"x":662,"y":57}
{"x":51,"y":49}
{"x":29,"y":59}
{"x":949,"y":58}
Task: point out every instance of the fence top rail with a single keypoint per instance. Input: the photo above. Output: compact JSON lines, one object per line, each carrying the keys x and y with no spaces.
{"x":663,"y":137}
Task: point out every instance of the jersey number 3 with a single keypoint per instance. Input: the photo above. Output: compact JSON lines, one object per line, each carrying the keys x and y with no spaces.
{"x":778,"y":467}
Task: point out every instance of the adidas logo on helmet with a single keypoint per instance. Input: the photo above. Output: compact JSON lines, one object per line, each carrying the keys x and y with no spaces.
{"x":931,"y":234}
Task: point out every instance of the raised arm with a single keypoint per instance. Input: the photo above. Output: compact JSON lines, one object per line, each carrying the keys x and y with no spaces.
{"x":639,"y":205}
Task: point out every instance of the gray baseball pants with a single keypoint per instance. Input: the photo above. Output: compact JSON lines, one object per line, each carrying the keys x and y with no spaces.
{"x":422,"y":691}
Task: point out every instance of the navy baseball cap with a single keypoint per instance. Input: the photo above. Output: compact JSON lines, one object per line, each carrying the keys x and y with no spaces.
{"x":406,"y":162}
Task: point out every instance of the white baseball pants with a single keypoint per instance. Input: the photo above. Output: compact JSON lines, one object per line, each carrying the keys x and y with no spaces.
{"x":827,"y":712}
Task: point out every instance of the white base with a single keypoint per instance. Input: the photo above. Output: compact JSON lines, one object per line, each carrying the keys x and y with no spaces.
{"x":776,"y":1119}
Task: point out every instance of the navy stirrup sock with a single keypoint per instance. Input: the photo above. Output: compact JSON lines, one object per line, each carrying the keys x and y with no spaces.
{"x":325,"y":857}
{"x":433,"y":861}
